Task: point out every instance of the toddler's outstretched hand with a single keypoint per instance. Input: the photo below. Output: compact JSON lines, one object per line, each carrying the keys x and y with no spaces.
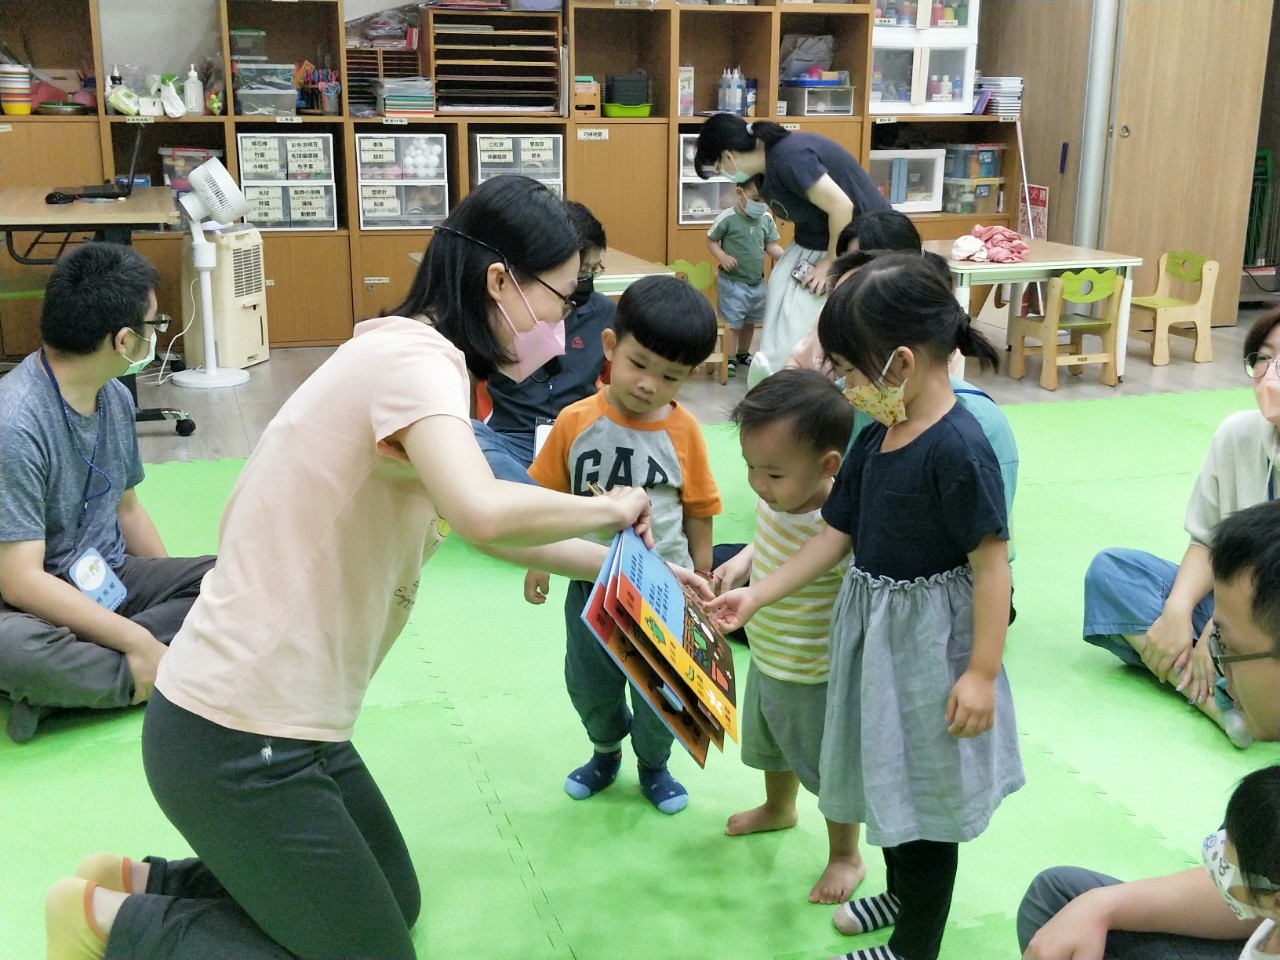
{"x":537,"y":585}
{"x":971,"y":708}
{"x":731,"y":610}
{"x":692,"y":582}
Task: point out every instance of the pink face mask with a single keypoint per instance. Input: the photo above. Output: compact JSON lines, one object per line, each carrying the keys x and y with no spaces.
{"x":531,"y":348}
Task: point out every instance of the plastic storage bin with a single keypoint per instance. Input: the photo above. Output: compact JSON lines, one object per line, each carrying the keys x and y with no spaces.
{"x":975,"y":196}
{"x":915,"y":178}
{"x":881,"y":170}
{"x":288,"y":180}
{"x":418,"y":157}
{"x":268,"y":207}
{"x":819,"y":101}
{"x":313,"y":206}
{"x":178,"y":162}
{"x":403,"y":180}
{"x":539,"y":156}
{"x":263,"y":76}
{"x":391,"y":206}
{"x":971,"y":161}
{"x":248,"y":45}
{"x":266,"y":103}
{"x":701,"y":201}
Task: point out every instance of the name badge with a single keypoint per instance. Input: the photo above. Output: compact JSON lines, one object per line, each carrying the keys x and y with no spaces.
{"x":97,"y":581}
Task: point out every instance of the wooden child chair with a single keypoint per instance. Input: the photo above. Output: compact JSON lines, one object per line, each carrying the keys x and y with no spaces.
{"x":1182,"y":318}
{"x":1085,"y":287}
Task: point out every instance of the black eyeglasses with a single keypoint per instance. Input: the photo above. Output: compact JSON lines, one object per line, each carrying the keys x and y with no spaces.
{"x":1256,"y":364}
{"x":1220,"y":658}
{"x":567,"y":305}
{"x":566,"y":301}
{"x":591,"y":272}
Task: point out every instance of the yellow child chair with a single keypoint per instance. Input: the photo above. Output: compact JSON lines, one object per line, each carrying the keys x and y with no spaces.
{"x":1182,"y":318}
{"x":1087,"y":286}
{"x":701,"y":276}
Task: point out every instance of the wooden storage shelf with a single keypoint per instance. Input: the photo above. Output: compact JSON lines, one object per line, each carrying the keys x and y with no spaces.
{"x":462,"y":80}
{"x":37,"y":118}
{"x":790,"y":6}
{"x":161,"y":121}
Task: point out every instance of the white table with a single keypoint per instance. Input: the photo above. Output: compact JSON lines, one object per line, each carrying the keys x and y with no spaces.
{"x":1045,"y":259}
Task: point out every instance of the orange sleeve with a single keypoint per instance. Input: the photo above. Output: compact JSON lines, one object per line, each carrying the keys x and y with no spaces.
{"x":699,"y":493}
{"x":550,"y":468}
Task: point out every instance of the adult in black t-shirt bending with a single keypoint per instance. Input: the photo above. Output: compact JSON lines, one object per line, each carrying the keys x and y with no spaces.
{"x":809,"y":180}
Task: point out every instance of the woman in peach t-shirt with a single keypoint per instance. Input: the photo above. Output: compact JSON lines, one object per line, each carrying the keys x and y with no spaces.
{"x":247,"y":740}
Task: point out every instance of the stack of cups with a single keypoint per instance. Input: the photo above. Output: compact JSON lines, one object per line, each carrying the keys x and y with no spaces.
{"x":15,"y":89}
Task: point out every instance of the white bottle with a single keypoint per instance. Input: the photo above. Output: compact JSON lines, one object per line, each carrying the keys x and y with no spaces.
{"x":193,"y":92}
{"x":739,"y":92}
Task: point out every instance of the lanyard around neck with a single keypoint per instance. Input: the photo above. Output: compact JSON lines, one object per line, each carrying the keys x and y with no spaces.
{"x":90,"y":461}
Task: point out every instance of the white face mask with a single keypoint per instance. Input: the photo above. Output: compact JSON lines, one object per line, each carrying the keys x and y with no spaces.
{"x":137,"y":366}
{"x":1226,"y":875}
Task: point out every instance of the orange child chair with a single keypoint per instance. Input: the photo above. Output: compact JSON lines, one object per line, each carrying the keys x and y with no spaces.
{"x":1182,"y":318}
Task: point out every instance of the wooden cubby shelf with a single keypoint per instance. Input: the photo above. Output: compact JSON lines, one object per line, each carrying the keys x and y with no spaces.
{"x":627,"y":170}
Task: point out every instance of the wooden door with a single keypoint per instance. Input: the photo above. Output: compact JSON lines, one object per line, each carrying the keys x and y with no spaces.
{"x":623,"y":179}
{"x":1183,"y":137}
{"x":308,"y":289}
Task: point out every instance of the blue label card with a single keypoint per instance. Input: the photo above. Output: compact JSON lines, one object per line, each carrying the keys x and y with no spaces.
{"x":97,"y":581}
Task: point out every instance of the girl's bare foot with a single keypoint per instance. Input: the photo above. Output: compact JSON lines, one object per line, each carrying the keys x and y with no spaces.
{"x":762,"y":819}
{"x":837,"y":883}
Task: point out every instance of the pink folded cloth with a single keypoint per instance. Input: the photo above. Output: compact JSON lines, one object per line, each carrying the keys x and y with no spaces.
{"x":1002,"y":244}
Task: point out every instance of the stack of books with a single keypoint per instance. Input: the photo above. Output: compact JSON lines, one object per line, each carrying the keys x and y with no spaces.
{"x":1001,"y":96}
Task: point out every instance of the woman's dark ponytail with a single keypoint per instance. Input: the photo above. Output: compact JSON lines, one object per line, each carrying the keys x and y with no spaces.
{"x":724,"y":131}
{"x":971,"y":343}
{"x":769,"y":133}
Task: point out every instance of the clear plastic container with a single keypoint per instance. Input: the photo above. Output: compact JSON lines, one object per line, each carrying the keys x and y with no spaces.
{"x":267,"y":103}
{"x":969,"y":161}
{"x":312,"y":207}
{"x":248,"y":45}
{"x":389,"y":156}
{"x":393,"y":206}
{"x":268,"y":207}
{"x":973,"y":196}
{"x":264,"y":76}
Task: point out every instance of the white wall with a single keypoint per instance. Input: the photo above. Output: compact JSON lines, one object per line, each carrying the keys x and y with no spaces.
{"x":158,"y":36}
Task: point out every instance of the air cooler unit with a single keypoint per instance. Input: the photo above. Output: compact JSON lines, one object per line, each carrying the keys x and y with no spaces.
{"x":239,"y":302}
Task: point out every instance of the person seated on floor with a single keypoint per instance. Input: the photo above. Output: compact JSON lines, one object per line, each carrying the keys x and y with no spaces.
{"x":88,"y":596}
{"x":507,"y":437}
{"x":1153,"y":613}
{"x":1070,"y":913}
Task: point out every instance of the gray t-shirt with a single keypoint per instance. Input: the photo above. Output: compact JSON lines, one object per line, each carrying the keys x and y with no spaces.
{"x":44,"y":478}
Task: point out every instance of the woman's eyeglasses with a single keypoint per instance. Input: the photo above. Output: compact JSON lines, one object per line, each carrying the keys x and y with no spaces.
{"x":1218,"y":653}
{"x":1256,"y":364}
{"x":567,"y":305}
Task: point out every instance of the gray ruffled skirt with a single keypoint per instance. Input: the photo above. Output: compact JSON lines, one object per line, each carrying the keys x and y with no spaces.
{"x":897,"y":649}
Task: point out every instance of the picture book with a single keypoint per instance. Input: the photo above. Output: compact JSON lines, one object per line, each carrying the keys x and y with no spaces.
{"x":665,"y":644}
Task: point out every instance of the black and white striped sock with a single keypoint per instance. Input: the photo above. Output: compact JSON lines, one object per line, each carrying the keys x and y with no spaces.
{"x":866,"y":914}
{"x":871,"y":953}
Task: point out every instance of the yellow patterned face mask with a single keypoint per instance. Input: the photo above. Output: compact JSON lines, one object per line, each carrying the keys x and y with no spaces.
{"x":879,"y":400}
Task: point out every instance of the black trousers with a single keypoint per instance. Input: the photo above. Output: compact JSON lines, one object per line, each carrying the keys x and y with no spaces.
{"x":922,"y":875}
{"x":298,"y":853}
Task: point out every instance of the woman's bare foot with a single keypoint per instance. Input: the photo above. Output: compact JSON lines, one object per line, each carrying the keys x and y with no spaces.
{"x":761,"y":819}
{"x":837,"y":883}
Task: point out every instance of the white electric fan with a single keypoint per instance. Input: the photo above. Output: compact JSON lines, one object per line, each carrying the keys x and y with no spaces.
{"x":213,"y":195}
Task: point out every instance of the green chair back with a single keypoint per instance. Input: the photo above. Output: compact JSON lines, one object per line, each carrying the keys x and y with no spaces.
{"x":1088,"y":286}
{"x":1184,"y":265}
{"x":700,"y":275}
